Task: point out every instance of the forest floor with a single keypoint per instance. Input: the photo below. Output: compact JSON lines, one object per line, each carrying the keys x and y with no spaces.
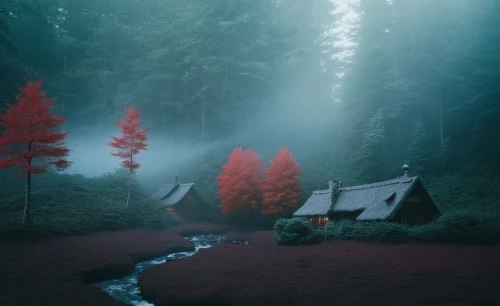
{"x":331,"y":273}
{"x":57,"y":271}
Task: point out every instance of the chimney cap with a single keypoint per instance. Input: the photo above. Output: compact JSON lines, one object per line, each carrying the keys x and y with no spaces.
{"x":334,"y":183}
{"x":406,"y":169}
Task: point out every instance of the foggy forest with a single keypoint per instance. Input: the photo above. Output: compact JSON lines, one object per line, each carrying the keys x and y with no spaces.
{"x":352,"y":92}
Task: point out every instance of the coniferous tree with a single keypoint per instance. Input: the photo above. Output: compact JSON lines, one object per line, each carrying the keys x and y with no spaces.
{"x":240,"y":183}
{"x":131,"y":143}
{"x":281,"y":189}
{"x":28,"y":141}
{"x":369,"y":161}
{"x":418,"y":154}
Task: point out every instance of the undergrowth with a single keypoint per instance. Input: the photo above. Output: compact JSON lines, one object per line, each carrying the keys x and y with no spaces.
{"x":468,"y":198}
{"x":72,"y":204}
{"x":459,"y":226}
{"x":296,"y":231}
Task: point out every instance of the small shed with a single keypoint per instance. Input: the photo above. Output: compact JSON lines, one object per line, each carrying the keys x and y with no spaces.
{"x":181,"y":200}
{"x":403,"y":200}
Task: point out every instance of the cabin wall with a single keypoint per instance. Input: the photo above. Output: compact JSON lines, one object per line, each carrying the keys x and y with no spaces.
{"x":417,"y":209}
{"x":189,"y":207}
{"x":318,"y":221}
{"x":345,"y":215}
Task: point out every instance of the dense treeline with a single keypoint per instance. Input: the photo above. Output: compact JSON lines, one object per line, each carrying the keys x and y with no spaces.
{"x":192,"y":65}
{"x":408,"y":81}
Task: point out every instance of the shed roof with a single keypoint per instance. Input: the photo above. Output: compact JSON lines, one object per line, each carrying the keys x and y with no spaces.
{"x":177,"y":194}
{"x":171,"y":194}
{"x":162,"y":191}
{"x":377,"y":201}
{"x":318,"y":204}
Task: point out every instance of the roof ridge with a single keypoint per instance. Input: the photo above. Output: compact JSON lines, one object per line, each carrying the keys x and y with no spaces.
{"x":403,"y":179}
{"x":321,"y":191}
{"x":379,"y":184}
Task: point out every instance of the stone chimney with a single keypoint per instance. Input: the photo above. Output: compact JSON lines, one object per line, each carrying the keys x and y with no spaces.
{"x":406,"y":170}
{"x":333,"y":187}
{"x":176,"y":180}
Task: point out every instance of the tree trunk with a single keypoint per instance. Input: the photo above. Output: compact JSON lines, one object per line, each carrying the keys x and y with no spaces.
{"x":203,"y":120}
{"x":130,"y":177}
{"x":26,"y":215}
{"x":202,"y":125}
{"x":105,"y":53}
{"x":64,"y":78}
{"x":164,"y":119}
{"x":441,"y":119}
{"x":225,"y":55}
{"x":399,"y":137}
{"x":129,"y":184}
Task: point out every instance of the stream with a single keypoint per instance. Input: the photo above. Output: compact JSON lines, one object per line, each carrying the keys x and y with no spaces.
{"x":127,"y":290}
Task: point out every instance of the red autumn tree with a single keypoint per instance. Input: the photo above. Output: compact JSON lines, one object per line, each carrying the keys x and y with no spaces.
{"x":27,"y":140}
{"x":240,"y":182}
{"x":281,"y":185}
{"x":133,"y":140}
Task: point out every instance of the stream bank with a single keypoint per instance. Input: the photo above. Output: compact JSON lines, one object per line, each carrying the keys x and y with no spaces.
{"x":126,"y":289}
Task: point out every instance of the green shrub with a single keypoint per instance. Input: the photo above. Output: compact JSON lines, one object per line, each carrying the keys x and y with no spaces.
{"x":296,"y":231}
{"x":73,"y":204}
{"x":367,"y":231}
{"x":461,"y":226}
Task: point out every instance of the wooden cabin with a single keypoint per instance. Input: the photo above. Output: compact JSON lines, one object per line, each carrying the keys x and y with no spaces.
{"x":181,"y":200}
{"x":403,"y":200}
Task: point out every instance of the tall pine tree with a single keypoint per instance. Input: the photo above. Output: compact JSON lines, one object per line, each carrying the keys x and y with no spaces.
{"x":281,"y":189}
{"x":28,"y":140}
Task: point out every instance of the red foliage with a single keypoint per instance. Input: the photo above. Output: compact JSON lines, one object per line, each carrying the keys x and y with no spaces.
{"x":281,"y":187}
{"x":133,"y":140}
{"x":331,"y":273}
{"x":27,"y":141}
{"x":240,"y":182}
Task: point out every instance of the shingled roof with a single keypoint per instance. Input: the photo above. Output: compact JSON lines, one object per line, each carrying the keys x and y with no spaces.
{"x":162,"y":191}
{"x":318,"y":204}
{"x":176,"y":195}
{"x":378,"y":201}
{"x":171,"y":194}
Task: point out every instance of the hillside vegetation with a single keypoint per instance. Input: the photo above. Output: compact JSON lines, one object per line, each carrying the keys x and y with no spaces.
{"x":72,"y":204}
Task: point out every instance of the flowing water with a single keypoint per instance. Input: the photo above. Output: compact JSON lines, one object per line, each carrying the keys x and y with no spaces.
{"x":126,"y":289}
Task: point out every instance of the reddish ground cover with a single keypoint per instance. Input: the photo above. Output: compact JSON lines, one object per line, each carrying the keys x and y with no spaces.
{"x":331,"y":273}
{"x":200,"y":228}
{"x":55,"y":271}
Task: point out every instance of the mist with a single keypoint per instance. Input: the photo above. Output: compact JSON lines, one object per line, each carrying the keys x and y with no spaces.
{"x":371,"y":123}
{"x":354,"y":89}
{"x":91,"y":154}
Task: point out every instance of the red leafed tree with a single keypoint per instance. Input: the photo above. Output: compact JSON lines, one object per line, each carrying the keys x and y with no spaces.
{"x":281,"y":185}
{"x":133,"y":140}
{"x":27,"y":140}
{"x":240,"y":182}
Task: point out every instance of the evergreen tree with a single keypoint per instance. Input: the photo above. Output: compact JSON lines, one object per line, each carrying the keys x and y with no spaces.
{"x":418,"y":154}
{"x":240,"y":183}
{"x":281,"y":189}
{"x":368,"y":160}
{"x":131,"y":143}
{"x":27,"y":140}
